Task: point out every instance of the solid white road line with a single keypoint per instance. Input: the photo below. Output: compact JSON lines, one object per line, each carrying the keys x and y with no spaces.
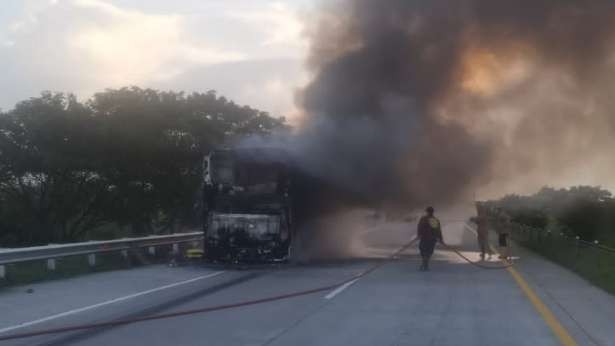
{"x":112,"y":301}
{"x":340,"y":289}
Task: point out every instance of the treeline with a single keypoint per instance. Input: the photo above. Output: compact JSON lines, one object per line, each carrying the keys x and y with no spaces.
{"x":584,"y":211}
{"x":125,"y":162}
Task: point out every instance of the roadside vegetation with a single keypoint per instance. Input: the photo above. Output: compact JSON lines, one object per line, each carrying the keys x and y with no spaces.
{"x":574,"y":227}
{"x":65,"y":267}
{"x":126,"y":162}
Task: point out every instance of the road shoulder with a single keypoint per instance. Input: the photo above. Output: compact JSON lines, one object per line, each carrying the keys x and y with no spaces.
{"x":57,"y":297}
{"x":585,"y":310}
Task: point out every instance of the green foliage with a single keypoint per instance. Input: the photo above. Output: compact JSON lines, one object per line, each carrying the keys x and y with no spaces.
{"x":129,"y":157}
{"x":584,"y":211}
{"x":530,"y":217}
{"x":589,"y":219}
{"x":591,"y":263}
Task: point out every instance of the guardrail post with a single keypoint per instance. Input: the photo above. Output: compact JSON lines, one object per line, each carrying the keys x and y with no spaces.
{"x":596,"y":249}
{"x":51,"y":264}
{"x":577,"y":247}
{"x":92,"y":259}
{"x":128,"y":248}
{"x":532,"y":235}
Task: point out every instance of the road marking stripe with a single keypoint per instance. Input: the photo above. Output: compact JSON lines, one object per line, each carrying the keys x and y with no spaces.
{"x":112,"y":301}
{"x":561,"y":333}
{"x":546,"y":314}
{"x":340,"y":289}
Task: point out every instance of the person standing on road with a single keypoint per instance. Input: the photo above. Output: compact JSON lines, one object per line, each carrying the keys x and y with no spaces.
{"x":482,"y":232}
{"x":428,"y":233}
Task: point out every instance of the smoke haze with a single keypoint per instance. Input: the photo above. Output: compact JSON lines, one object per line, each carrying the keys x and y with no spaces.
{"x":425,"y":102}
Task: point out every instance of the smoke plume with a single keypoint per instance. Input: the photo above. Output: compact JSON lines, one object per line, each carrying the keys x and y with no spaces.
{"x":424,"y":102}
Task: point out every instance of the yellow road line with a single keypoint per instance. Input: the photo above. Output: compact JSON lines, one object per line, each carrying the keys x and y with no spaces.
{"x":556,"y":327}
{"x":559,"y":331}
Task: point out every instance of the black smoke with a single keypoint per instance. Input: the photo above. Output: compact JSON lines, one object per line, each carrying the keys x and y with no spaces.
{"x":423,"y":102}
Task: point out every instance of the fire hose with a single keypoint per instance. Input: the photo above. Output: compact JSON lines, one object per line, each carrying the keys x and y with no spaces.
{"x":478,"y":264}
{"x":475,"y":263}
{"x":119,"y":322}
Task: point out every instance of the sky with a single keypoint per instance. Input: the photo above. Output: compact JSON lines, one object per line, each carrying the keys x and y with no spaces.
{"x":252,"y":52}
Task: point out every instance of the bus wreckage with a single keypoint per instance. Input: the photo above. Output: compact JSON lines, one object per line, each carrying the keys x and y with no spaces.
{"x":248,"y":213}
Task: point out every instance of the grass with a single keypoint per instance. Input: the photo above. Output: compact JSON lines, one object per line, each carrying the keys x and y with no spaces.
{"x":36,"y":271}
{"x":595,"y":265}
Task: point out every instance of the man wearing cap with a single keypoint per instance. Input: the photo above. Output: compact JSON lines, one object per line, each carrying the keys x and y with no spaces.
{"x":429,"y":233}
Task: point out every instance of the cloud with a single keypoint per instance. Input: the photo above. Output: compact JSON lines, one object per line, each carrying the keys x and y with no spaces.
{"x":128,"y":46}
{"x":280,"y":23}
{"x":268,"y":84}
{"x":83,"y":46}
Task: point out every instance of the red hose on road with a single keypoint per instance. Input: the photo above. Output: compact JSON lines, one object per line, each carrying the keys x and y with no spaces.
{"x":200,"y":310}
{"x":474,"y":263}
{"x":478,"y":264}
{"x":163,"y":316}
{"x":226,"y":306}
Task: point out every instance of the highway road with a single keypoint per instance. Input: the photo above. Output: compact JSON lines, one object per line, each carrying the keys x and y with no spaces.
{"x":453,"y":304}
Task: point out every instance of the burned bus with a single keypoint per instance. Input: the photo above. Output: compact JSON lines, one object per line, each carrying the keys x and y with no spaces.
{"x":247,"y":206}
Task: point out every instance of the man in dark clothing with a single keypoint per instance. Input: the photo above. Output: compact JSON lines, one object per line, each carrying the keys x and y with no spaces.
{"x":503,"y":231}
{"x":429,"y":233}
{"x":482,"y":231}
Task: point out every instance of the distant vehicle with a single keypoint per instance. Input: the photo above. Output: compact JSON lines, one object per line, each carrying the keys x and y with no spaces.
{"x":248,"y":214}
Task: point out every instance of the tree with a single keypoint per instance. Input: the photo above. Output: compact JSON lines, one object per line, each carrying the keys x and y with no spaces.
{"x":584,"y":211}
{"x":48,"y":190}
{"x":130,"y":157}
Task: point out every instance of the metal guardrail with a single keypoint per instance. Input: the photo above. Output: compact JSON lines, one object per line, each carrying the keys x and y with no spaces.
{"x":52,"y":252}
{"x":525,"y":233}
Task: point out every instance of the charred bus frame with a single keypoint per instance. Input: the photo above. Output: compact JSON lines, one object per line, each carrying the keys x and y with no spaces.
{"x":247,"y":206}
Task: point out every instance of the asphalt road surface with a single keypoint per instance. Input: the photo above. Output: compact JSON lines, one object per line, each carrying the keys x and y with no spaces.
{"x":453,"y":304}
